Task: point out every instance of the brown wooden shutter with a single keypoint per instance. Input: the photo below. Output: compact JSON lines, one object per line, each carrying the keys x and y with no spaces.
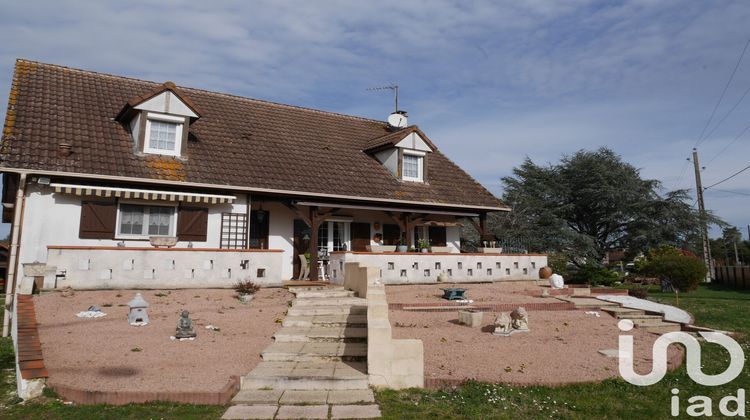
{"x":98,"y":220}
{"x":192,"y":224}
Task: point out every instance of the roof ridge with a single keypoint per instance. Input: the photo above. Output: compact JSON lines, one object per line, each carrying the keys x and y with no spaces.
{"x":230,"y":95}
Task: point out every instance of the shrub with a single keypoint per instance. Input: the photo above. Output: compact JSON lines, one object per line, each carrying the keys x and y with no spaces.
{"x":595,"y":275}
{"x":638,"y":291}
{"x":683,"y":272}
{"x":558,"y":262}
{"x":246,"y":287}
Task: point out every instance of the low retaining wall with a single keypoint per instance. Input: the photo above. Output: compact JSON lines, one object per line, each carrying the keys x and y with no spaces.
{"x":492,"y":307}
{"x":415,"y":268}
{"x":155,"y":268}
{"x":86,"y":397}
{"x":395,"y":364}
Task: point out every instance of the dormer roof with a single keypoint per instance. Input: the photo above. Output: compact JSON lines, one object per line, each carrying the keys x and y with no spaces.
{"x":157,"y":100}
{"x":410,"y":137}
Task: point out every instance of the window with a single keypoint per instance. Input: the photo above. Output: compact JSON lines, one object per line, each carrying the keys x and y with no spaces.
{"x":413,"y":166}
{"x":334,"y":236}
{"x":163,"y":134}
{"x":143,"y":221}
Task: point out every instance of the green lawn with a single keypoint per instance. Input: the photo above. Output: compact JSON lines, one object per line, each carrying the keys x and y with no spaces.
{"x":613,"y":399}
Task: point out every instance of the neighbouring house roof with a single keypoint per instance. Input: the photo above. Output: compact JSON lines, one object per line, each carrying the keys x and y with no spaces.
{"x":236,"y":142}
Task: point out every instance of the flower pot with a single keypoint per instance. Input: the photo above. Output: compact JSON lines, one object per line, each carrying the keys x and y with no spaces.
{"x":425,"y":250}
{"x":245,"y":298}
{"x":402,"y":248}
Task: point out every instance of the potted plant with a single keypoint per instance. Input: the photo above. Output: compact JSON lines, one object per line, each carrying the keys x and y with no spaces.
{"x":401,"y":247}
{"x":245,"y":290}
{"x":423,"y":245}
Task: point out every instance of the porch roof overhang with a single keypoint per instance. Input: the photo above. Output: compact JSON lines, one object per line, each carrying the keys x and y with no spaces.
{"x":132,"y":193}
{"x":385,"y":208}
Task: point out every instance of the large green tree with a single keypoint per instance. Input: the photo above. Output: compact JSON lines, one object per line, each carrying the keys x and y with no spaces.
{"x":592,"y":202}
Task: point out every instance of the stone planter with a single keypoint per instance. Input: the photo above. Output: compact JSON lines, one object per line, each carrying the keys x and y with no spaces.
{"x":381,"y":248}
{"x":402,"y":248}
{"x":440,"y":249}
{"x":245,"y":298}
{"x":425,"y":250}
{"x":471,"y":318}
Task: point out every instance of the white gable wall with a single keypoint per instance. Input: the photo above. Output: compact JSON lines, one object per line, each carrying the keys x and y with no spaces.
{"x":167,"y":103}
{"x":414,"y":141}
{"x":389,"y":159}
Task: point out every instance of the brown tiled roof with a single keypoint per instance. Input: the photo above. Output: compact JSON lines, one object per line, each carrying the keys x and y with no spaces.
{"x":392,"y":139}
{"x":237,"y":142}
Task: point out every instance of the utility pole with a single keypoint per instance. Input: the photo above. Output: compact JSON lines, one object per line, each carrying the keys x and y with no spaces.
{"x":702,"y":211}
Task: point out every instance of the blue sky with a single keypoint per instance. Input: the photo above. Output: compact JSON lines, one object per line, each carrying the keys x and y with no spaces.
{"x":490,"y":82}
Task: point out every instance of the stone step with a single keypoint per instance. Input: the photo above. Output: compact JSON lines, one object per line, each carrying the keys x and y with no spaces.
{"x":660,"y":328}
{"x":620,"y":312}
{"x":330,"y":321}
{"x":645,"y":320}
{"x":336,"y":301}
{"x":312,"y":352}
{"x":325,"y":310}
{"x":304,"y":397}
{"x":320,"y":334}
{"x":310,"y":294}
{"x":307,"y":376}
{"x":587,"y":303}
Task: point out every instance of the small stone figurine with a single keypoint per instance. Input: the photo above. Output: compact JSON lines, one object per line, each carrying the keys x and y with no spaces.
{"x":520,"y":319}
{"x":503,"y":324}
{"x":185,"y":327}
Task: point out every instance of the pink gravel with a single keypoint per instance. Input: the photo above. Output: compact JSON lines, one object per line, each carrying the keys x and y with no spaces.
{"x":561,"y":348}
{"x":499,"y":292}
{"x":107,"y":354}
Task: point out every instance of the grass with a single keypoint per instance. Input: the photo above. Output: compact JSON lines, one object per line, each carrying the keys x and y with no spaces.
{"x":613,"y":399}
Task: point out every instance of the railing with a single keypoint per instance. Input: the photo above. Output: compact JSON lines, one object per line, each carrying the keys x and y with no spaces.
{"x":413,"y":267}
{"x":734,"y":276}
{"x":129,"y":267}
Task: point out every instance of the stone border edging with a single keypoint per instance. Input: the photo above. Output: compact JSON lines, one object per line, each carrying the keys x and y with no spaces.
{"x":28,"y":347}
{"x":86,"y":397}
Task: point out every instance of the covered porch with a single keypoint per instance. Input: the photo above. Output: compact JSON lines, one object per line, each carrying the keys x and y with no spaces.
{"x":324,"y":231}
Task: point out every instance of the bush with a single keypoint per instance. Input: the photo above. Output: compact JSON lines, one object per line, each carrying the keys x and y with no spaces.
{"x":639,"y":292}
{"x":246,"y":287}
{"x":683,"y":272}
{"x":558,"y":263}
{"x":595,"y":275}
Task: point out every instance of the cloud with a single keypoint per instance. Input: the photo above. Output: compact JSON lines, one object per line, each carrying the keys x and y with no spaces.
{"x":490,"y":82}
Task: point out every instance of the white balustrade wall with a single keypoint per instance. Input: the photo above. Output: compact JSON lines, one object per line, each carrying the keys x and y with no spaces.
{"x":398,"y":268}
{"x":156,"y":268}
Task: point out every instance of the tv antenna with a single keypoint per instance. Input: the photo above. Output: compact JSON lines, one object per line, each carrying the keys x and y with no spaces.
{"x":394,"y":88}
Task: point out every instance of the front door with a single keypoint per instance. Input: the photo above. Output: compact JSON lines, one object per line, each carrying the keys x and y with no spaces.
{"x":360,"y":236}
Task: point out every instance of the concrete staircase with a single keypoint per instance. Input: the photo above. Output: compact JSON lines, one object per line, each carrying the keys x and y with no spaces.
{"x":651,"y":323}
{"x":317,"y":365}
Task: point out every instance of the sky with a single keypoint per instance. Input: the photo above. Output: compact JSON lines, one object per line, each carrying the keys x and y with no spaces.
{"x":490,"y":82}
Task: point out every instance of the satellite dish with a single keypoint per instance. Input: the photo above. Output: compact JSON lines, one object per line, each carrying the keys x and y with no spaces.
{"x":397,"y":119}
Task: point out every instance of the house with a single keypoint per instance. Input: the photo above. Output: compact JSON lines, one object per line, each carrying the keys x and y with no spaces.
{"x":113,"y":182}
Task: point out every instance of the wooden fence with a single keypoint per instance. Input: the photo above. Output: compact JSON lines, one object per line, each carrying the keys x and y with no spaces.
{"x":733,"y":276}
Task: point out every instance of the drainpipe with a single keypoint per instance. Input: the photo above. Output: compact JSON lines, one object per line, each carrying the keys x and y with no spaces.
{"x":10,"y":282}
{"x":247,"y":219}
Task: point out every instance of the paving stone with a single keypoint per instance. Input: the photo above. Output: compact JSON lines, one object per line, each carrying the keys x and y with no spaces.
{"x":350,"y":396}
{"x":258,"y":396}
{"x":303,"y":412}
{"x":355,"y":411}
{"x":250,"y":412}
{"x":293,"y":397}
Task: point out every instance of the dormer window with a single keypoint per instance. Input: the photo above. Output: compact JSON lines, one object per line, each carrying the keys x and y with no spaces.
{"x":159,"y":121}
{"x":163,"y":134}
{"x":413,"y":166}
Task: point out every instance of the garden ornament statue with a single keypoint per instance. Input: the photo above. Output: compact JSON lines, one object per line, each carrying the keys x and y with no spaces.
{"x":138,"y":316}
{"x":502,"y":324}
{"x":185,"y":326}
{"x":520,"y":319}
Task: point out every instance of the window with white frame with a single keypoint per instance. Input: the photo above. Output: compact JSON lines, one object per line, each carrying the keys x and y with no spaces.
{"x":334,"y":236}
{"x":143,"y":221}
{"x":413,"y":166}
{"x":163,"y":134}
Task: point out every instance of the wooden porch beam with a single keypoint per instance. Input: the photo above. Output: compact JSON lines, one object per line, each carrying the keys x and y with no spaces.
{"x":299,"y":213}
{"x":314,"y":225}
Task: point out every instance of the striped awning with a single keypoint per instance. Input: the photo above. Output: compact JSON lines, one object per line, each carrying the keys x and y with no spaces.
{"x":130,"y":193}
